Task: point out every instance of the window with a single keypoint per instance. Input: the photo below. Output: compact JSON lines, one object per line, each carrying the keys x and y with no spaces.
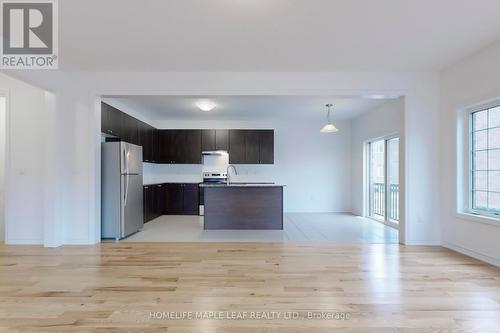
{"x":485,"y":162}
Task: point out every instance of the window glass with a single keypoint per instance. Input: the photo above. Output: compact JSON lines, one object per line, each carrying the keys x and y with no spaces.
{"x":494,"y":117}
{"x":480,"y":120}
{"x":485,"y":166}
{"x":480,"y":140}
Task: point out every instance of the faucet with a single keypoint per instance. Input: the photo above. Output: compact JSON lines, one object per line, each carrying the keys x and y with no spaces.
{"x":230,"y":166}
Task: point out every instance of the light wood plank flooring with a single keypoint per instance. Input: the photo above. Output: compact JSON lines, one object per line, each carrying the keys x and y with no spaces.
{"x":116,"y":287}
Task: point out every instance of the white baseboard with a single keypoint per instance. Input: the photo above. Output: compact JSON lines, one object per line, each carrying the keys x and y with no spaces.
{"x":28,"y":241}
{"x":473,"y":254}
{"x":424,"y":242}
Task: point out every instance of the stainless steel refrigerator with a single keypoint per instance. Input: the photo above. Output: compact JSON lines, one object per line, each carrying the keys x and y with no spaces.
{"x":121,"y":189}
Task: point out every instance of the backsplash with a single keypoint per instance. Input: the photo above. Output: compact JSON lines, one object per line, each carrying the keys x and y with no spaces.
{"x":193,"y":173}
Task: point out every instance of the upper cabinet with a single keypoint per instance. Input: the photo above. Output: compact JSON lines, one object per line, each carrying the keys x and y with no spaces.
{"x":266,"y":146}
{"x":214,"y":139}
{"x":237,"y":147}
{"x":208,"y":140}
{"x":251,"y":146}
{"x":179,"y":146}
{"x":111,"y":120}
{"x":184,"y":146}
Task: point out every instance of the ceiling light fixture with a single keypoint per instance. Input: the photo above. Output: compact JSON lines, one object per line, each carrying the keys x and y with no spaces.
{"x":329,"y":127}
{"x":205,"y":105}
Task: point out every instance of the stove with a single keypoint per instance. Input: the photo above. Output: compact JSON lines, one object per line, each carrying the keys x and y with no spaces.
{"x":210,"y":178}
{"x":214,"y":177}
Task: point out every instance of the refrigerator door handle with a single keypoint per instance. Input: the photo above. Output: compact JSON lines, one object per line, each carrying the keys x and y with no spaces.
{"x":125,"y":197}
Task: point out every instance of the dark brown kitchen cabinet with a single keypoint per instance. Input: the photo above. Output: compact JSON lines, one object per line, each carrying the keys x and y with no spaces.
{"x":130,"y":129}
{"x":184,"y":146}
{"x":191,"y":199}
{"x":174,"y":199}
{"x":208,"y":140}
{"x":154,"y":201}
{"x":237,"y":147}
{"x":214,"y":139}
{"x":154,"y":145}
{"x":266,"y":146}
{"x":159,"y":199}
{"x":166,"y":148}
{"x":222,"y":140}
{"x":179,"y":146}
{"x":245,"y":147}
{"x":148,"y":203}
{"x":190,"y":147}
{"x":111,"y":120}
{"x":252,"y":146}
{"x":147,"y":139}
{"x":182,"y":199}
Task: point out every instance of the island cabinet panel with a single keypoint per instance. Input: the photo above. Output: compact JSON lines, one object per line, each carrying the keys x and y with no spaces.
{"x":243,"y":207}
{"x":111,"y":120}
{"x":266,"y":147}
{"x":222,"y":140}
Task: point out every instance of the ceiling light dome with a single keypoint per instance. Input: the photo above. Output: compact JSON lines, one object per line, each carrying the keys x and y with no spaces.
{"x":329,"y":127}
{"x":205,"y":105}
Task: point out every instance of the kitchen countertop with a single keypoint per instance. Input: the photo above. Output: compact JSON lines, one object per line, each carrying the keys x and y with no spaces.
{"x":161,"y":183}
{"x":238,"y":184}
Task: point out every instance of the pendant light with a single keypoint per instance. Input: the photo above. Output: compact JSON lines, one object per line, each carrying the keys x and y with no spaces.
{"x":329,"y":127}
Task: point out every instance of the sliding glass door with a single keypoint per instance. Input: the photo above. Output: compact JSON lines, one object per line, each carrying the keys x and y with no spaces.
{"x":377,"y":179}
{"x":383,"y":180}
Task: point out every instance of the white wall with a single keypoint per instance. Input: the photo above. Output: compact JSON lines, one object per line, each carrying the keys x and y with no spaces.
{"x":24,"y":169}
{"x":78,"y":117}
{"x":387,"y":119}
{"x":473,"y":80}
{"x":3,"y":116}
{"x":314,"y":166}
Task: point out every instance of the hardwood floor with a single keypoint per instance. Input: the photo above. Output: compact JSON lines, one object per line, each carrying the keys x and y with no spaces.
{"x":116,"y":287}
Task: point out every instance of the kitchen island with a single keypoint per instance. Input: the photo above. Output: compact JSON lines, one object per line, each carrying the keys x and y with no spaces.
{"x":248,"y":206}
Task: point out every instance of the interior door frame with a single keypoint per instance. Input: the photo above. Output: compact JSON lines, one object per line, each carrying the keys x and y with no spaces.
{"x":385,"y":220}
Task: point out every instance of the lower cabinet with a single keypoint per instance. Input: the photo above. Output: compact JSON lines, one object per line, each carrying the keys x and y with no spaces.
{"x":148,"y":203}
{"x":182,"y":198}
{"x":170,"y":199}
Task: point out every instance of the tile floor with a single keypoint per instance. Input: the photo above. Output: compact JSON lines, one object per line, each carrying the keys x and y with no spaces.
{"x":298,"y":227}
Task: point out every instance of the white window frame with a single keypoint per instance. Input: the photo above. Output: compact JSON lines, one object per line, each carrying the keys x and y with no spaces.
{"x":465,"y":199}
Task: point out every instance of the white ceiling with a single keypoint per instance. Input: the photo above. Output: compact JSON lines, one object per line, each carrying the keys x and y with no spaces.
{"x":277,"y":35}
{"x":247,"y":107}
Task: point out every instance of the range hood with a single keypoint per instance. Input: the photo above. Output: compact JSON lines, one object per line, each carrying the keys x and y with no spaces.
{"x":214,"y":152}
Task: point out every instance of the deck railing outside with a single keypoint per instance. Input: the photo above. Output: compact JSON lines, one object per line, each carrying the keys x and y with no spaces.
{"x":378,"y":200}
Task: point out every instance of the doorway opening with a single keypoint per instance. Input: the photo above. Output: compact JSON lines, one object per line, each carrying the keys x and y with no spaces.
{"x":383,"y":180}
